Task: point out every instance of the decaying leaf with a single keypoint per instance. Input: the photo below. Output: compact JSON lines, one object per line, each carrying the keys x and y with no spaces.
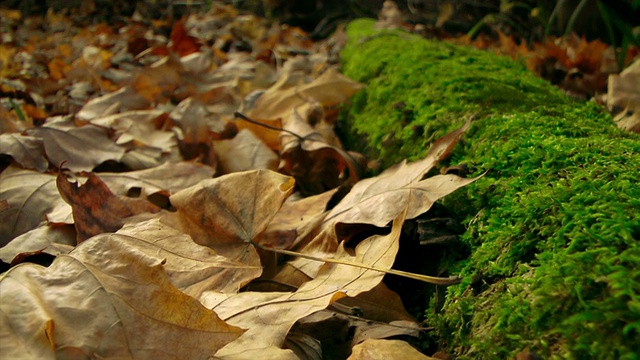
{"x":192,"y":268}
{"x":624,"y":97}
{"x":139,"y":127}
{"x":122,"y":100}
{"x":52,"y":240}
{"x":96,"y":209}
{"x":166,"y":179}
{"x":316,"y":165}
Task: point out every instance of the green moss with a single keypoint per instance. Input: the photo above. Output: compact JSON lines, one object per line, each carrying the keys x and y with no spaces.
{"x":554,"y":226}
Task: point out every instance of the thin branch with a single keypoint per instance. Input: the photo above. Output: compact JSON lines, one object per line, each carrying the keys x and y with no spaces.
{"x":247,"y":119}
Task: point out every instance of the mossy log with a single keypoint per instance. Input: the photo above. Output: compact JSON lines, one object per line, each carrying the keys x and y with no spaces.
{"x":554,"y":226}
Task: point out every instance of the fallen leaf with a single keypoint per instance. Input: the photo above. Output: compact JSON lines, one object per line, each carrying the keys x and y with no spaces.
{"x":316,"y":165}
{"x":140,"y":127}
{"x":29,"y":196}
{"x":376,"y":349}
{"x":104,"y":300}
{"x":624,"y":94}
{"x":181,"y":42}
{"x":27,"y":151}
{"x":96,"y":209}
{"x":52,"y":240}
{"x":80,"y":148}
{"x":122,"y":100}
{"x":227,"y":213}
{"x":329,"y":89}
{"x":350,"y":321}
{"x":378,"y":200}
{"x":269,"y":316}
{"x":244,"y":152}
{"x":166,"y":179}
{"x":190,"y":267}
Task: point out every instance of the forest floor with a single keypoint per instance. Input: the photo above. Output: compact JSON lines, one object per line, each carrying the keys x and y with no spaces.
{"x":185,"y":186}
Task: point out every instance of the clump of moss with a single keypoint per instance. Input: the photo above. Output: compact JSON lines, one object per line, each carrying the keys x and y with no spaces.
{"x":554,"y":226}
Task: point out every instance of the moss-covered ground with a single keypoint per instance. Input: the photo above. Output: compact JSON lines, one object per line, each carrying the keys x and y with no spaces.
{"x":553,"y":228}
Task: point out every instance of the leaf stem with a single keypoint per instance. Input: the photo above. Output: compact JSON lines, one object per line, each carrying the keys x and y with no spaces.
{"x":444,"y":281}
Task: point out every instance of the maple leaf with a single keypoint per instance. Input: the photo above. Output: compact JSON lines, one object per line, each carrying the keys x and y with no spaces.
{"x":378,"y":200}
{"x":122,"y":302}
{"x":227,"y":213}
{"x":269,"y":316}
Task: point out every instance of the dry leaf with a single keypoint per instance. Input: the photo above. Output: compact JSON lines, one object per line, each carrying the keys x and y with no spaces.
{"x":378,"y":200}
{"x":27,"y":151}
{"x":374,"y":349}
{"x":80,"y":148}
{"x":244,"y":152}
{"x":624,"y":93}
{"x":192,"y":268}
{"x":52,"y":240}
{"x":96,"y":209}
{"x":228,"y":212}
{"x":269,"y":316}
{"x":139,"y":127}
{"x":122,"y":100}
{"x":104,"y":300}
{"x":166,"y":179}
{"x":329,"y":89}
{"x":29,"y":195}
{"x":316,"y":165}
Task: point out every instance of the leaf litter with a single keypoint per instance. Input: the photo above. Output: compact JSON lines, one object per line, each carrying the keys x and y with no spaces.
{"x":127,"y":157}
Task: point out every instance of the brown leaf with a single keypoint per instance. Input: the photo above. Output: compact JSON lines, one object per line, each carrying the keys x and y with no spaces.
{"x":139,"y":127}
{"x":374,"y":349}
{"x":29,"y":195}
{"x":228,"y":212}
{"x":122,"y":100}
{"x":329,"y":89}
{"x":198,"y":124}
{"x":375,"y":314}
{"x":192,"y":268}
{"x":80,"y":148}
{"x":104,"y":300}
{"x":52,"y":240}
{"x":244,"y":152}
{"x":624,"y":97}
{"x":27,"y":151}
{"x":96,"y":209}
{"x":166,"y":179}
{"x":269,"y":316}
{"x":316,"y":165}
{"x":378,"y":200}
{"x":182,"y":42}
{"x":160,"y":83}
